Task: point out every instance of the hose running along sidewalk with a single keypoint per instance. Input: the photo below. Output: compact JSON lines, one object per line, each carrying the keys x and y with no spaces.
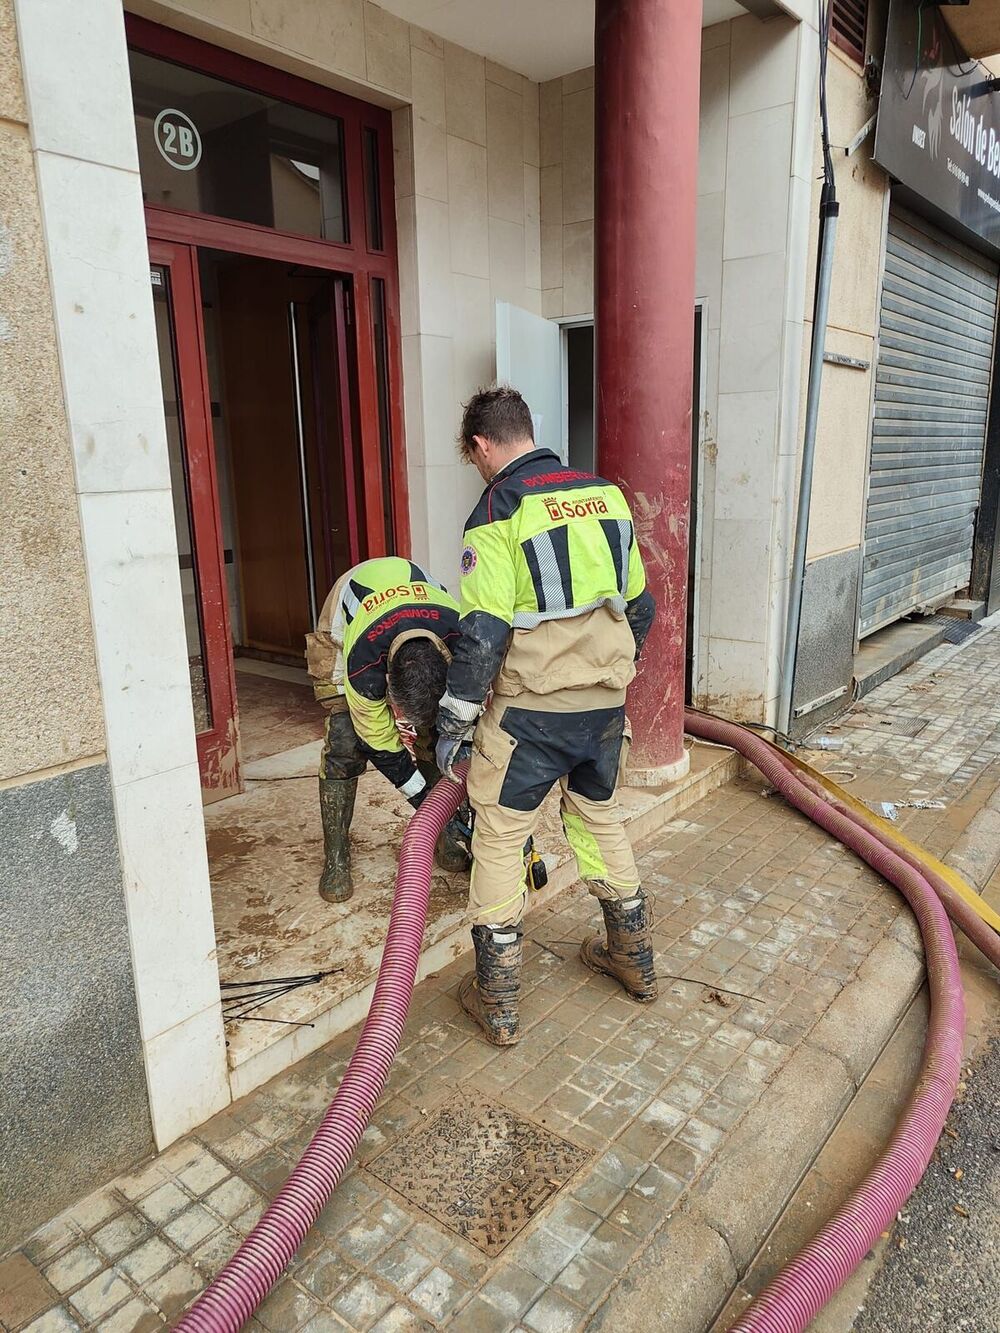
{"x":226,"y":1305}
{"x":801,"y":1290}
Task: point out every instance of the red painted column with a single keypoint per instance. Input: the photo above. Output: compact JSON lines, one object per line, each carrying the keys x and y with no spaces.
{"x":647,"y":102}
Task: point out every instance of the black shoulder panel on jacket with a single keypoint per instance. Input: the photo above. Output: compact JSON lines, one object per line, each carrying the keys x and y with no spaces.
{"x":368,"y":661}
{"x":536,"y":472}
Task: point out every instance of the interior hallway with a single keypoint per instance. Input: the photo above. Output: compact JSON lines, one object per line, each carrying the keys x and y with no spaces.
{"x":277,"y":709}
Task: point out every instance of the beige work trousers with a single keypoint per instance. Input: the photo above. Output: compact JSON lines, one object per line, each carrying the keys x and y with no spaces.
{"x":585,"y":751}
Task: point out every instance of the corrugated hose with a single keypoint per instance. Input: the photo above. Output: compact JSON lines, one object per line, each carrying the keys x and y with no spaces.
{"x":799,"y":1292}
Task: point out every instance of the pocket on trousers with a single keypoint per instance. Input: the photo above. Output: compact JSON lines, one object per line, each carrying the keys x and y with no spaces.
{"x":491,"y":755}
{"x":491,"y":742}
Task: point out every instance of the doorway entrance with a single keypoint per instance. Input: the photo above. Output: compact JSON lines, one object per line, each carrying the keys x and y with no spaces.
{"x":260,"y":401}
{"x":580,"y":451}
{"x":281,"y":393}
{"x":269,"y":206}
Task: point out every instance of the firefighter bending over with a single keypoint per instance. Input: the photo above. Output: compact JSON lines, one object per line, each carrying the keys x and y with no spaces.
{"x":554,"y":614}
{"x":378,"y":662}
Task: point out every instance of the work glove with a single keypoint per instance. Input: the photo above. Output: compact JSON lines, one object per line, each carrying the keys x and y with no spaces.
{"x":452,"y":750}
{"x":454,"y":737}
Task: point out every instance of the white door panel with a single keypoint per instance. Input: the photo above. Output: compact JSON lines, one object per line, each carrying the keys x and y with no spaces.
{"x":529,"y":356}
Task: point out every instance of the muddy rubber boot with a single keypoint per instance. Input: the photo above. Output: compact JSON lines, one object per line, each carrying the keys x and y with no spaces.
{"x":628,"y":954}
{"x":490,"y":994}
{"x":451,"y":852}
{"x":336,"y":806}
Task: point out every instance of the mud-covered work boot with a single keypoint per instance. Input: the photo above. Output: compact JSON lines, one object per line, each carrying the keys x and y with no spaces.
{"x":336,"y":807}
{"x":490,"y":994}
{"x":628,"y":954}
{"x":451,"y":851}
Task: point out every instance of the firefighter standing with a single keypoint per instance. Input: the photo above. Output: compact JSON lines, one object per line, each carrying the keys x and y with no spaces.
{"x":554,"y":614}
{"x":378,"y":662}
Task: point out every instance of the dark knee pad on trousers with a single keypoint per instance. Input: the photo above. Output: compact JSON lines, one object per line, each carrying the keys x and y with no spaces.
{"x":586,"y":746}
{"x":342,"y":756}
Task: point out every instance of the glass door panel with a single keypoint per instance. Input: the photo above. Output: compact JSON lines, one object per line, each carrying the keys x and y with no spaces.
{"x":180,"y":342}
{"x":159,"y":275}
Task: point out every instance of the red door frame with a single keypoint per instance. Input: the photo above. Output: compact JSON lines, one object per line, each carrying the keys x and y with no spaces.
{"x":218,"y":751}
{"x":340,"y":300}
{"x":356,"y":259}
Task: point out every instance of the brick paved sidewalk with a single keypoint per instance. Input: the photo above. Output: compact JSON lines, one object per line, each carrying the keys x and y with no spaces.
{"x":750,"y":898}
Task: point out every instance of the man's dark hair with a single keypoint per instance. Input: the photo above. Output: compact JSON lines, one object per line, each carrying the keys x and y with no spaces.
{"x":417,"y":675}
{"x":499,"y":414}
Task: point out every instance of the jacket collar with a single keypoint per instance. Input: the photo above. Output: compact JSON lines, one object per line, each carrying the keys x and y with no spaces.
{"x":534,"y":456}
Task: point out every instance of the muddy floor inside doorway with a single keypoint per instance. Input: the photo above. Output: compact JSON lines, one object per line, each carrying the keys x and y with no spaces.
{"x":265,"y":852}
{"x":277,"y":708}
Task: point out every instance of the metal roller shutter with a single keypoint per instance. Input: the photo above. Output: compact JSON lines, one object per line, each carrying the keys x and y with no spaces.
{"x":932,"y":389}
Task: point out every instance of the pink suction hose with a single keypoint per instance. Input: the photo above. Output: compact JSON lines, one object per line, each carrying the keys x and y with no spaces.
{"x":239,"y":1288}
{"x":807,"y":1283}
{"x":801,"y":1290}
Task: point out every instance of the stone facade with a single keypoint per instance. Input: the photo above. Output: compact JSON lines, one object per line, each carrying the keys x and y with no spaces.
{"x":71,"y":1030}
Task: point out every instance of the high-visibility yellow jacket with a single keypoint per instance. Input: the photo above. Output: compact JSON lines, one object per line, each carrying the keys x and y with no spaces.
{"x":371,"y":611}
{"x":553,"y":592}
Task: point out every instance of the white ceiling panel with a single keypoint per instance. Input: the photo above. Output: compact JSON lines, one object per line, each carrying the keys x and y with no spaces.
{"x":539,"y":38}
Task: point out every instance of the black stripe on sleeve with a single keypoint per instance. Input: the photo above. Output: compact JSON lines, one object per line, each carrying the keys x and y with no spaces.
{"x":531,"y":558}
{"x":612,"y":533}
{"x":560,"y":544}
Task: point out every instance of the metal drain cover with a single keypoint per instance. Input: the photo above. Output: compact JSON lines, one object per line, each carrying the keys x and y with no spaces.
{"x":955,"y":629}
{"x":897,"y":725}
{"x":480,"y":1170}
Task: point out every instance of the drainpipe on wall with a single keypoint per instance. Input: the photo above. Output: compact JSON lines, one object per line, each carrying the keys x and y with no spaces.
{"x":829,"y":213}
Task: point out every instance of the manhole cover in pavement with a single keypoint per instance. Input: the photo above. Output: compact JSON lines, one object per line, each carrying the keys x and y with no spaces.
{"x":479,"y":1169}
{"x":898,"y":725}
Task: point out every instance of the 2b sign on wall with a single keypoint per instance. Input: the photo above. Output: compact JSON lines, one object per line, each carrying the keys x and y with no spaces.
{"x":178,"y":139}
